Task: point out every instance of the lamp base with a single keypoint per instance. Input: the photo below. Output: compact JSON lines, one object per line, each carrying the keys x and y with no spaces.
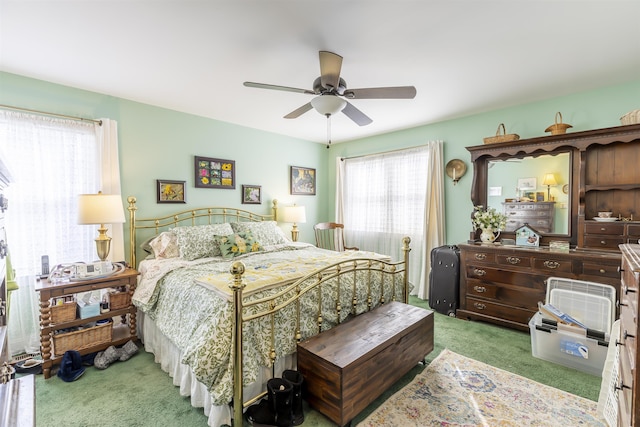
{"x":103,"y":243}
{"x":294,"y":233}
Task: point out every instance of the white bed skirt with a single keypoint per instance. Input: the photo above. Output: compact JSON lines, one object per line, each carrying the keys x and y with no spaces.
{"x":169,"y":357}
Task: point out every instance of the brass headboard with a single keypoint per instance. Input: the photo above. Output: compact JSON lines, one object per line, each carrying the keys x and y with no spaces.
{"x":197,"y":216}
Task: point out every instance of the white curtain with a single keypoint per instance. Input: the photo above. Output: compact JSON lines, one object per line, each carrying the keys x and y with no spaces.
{"x":381,"y":198}
{"x":51,"y":161}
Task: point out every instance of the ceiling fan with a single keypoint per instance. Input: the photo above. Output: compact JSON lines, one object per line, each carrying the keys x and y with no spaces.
{"x":332,"y":93}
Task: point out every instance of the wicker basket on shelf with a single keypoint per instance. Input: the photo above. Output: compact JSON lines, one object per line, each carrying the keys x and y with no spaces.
{"x":81,"y":339}
{"x":65,"y":312}
{"x":118,"y":300}
{"x":558,"y":128}
{"x":501,"y":136}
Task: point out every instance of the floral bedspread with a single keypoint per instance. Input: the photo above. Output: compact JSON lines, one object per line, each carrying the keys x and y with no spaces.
{"x":187,"y":301}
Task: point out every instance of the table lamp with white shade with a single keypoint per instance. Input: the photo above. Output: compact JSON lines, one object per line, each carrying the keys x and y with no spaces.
{"x":101,"y":209}
{"x":296,"y":215}
{"x":549,"y":180}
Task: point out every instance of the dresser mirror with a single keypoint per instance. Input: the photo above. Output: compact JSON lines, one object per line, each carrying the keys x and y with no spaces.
{"x":532,"y":189}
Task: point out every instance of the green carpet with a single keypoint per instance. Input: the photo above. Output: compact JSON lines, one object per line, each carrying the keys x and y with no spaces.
{"x":138,"y":393}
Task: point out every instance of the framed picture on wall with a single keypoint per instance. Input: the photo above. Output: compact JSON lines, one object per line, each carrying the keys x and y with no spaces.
{"x":171,"y":191}
{"x":251,"y":194}
{"x":303,"y":180}
{"x":527,"y":183}
{"x":215,"y":173}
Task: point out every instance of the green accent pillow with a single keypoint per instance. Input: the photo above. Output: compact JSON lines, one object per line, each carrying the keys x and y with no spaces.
{"x":238,"y":244}
{"x":199,"y":241}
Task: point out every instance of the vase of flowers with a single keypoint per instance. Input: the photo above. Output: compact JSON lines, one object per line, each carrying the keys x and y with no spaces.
{"x":490,"y":222}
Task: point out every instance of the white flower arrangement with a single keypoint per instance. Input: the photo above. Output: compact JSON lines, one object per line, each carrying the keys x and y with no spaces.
{"x":489,"y":218}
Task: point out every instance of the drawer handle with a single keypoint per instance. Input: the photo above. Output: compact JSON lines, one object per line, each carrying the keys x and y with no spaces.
{"x":481,"y":257}
{"x":619,"y":343}
{"x":513,"y":260}
{"x":602,"y":270}
{"x":603,"y":229}
{"x":619,"y":304}
{"x":628,"y":289}
{"x":479,"y":272}
{"x":627,"y":335}
{"x":480,"y":289}
{"x":551,"y":264}
{"x":479,"y":305}
{"x":602,"y":242}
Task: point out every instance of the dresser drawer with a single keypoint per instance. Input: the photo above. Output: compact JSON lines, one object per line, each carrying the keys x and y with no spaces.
{"x":625,"y":391}
{"x":633,"y":230}
{"x":602,"y":270}
{"x":553,"y":265}
{"x":612,"y":229}
{"x":506,"y":294}
{"x":488,"y":308}
{"x":603,"y":242}
{"x":628,"y":340}
{"x":516,"y":279}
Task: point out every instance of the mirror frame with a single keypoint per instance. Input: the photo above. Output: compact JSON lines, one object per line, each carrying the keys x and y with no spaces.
{"x":481,"y":155}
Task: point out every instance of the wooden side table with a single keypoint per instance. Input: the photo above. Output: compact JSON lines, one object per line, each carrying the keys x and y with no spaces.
{"x":122,"y":331}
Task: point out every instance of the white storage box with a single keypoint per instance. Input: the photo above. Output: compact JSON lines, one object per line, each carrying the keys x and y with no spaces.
{"x":568,"y":346}
{"x":593,"y":304}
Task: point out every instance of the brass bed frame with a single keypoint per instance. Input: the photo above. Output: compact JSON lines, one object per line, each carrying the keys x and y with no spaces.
{"x":304,"y":285}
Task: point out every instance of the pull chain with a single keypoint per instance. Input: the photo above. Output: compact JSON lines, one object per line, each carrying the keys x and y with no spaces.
{"x":328,"y":130}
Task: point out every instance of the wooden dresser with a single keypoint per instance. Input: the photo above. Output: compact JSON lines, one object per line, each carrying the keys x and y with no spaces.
{"x":629,"y":382}
{"x":538,"y":215}
{"x":503,"y":284}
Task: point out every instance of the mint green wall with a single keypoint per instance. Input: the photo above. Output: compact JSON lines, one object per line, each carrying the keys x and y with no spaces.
{"x":157,"y":143}
{"x":160,"y":143}
{"x":594,"y":109}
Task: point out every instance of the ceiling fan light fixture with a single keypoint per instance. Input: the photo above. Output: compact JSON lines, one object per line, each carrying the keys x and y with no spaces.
{"x":328,"y":104}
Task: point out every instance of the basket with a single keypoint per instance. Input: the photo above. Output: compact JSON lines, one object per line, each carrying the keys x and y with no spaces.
{"x":84,"y":338}
{"x":501,"y":137}
{"x":63,"y":313}
{"x":631,"y":118}
{"x":558,"y":128}
{"x":118,"y":300}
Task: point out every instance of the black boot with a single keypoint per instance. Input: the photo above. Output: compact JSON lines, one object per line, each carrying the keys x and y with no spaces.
{"x":276,"y":410}
{"x":295,"y":378}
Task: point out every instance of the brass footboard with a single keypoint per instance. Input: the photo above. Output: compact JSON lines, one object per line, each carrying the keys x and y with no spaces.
{"x":392,"y":275}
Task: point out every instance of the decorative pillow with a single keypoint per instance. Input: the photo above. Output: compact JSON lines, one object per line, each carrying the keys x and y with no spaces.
{"x":265,"y":232}
{"x":199,"y":241}
{"x":146,"y":245}
{"x":238,"y":244}
{"x":165,"y":245}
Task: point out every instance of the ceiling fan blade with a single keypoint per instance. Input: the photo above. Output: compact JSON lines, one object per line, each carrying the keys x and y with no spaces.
{"x":330,"y":66}
{"x":299,"y":111}
{"x":275,"y":87}
{"x":398,"y":92}
{"x":356,"y":115}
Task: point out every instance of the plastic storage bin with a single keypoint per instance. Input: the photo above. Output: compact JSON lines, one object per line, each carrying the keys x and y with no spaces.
{"x":586,"y":350}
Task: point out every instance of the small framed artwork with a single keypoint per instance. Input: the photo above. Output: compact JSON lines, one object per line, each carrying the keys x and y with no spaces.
{"x":527,"y":183}
{"x":251,"y":194}
{"x":215,"y":173}
{"x":171,"y":191}
{"x":303,"y":181}
{"x":539,"y":196}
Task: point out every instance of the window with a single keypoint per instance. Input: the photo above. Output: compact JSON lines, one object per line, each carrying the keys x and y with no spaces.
{"x":51,"y":161}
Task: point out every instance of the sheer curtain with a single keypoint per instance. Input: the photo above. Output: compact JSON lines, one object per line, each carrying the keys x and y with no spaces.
{"x":51,"y":161}
{"x":381,"y":198}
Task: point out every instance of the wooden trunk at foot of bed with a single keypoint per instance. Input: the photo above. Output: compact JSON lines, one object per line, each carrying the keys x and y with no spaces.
{"x":348,"y":367}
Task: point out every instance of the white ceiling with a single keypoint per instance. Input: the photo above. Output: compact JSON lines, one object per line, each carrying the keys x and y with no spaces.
{"x":463,"y":57}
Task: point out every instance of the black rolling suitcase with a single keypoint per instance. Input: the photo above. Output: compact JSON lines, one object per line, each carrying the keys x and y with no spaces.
{"x":444,"y":279}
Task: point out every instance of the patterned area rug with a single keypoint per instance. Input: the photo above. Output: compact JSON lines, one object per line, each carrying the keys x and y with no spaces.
{"x":457,"y":391}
